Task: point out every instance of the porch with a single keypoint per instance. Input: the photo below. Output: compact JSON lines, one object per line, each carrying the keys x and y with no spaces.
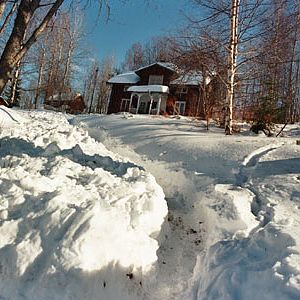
{"x":149,"y":99}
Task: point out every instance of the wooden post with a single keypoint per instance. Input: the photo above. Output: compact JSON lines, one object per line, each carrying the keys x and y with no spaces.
{"x":131,"y":96}
{"x":158,"y":105}
{"x":138,"y":104}
{"x":151,"y":102}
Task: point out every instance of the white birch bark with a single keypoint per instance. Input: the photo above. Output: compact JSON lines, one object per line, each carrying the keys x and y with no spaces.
{"x":232,"y":63}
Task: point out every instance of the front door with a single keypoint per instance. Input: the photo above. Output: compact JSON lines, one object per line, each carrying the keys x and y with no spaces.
{"x":143,"y":107}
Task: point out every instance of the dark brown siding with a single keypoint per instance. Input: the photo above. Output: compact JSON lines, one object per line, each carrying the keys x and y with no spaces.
{"x":156,"y":70}
{"x":117,"y":94}
{"x":190,"y":99}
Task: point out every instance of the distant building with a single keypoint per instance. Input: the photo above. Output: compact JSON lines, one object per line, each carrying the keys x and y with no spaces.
{"x":159,"y":88}
{"x":66,"y":102}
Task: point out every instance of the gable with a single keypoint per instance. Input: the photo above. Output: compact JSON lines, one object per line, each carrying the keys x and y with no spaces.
{"x":155,"y":71}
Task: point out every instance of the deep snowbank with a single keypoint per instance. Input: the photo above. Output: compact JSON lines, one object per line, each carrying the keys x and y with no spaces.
{"x":244,"y":190}
{"x":77,"y":221}
{"x":261,"y":258}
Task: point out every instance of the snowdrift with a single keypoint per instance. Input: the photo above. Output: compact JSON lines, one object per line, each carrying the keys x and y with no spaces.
{"x":244,"y":192}
{"x":77,"y":221}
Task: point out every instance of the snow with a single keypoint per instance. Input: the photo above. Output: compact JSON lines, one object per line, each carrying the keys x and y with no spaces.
{"x":9,"y":119}
{"x":233,"y":205}
{"x":76,"y":219}
{"x":169,"y":66}
{"x":191,"y":78}
{"x":218,"y":218}
{"x":129,"y":78}
{"x":149,"y":88}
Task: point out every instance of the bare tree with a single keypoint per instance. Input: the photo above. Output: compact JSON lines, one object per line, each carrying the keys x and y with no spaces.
{"x":97,"y":91}
{"x":134,"y":58}
{"x":17,"y":46}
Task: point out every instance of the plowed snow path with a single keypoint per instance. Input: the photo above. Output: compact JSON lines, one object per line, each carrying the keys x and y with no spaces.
{"x":205,"y":178}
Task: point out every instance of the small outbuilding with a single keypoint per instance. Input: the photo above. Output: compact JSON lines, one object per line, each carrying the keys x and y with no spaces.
{"x":76,"y":105}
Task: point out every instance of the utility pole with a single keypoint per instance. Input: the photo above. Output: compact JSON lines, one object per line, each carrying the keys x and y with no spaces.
{"x":94,"y":87}
{"x":232,"y":58}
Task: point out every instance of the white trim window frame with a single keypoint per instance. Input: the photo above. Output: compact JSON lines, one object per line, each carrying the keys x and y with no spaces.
{"x":156,"y":79}
{"x":180,"y":107}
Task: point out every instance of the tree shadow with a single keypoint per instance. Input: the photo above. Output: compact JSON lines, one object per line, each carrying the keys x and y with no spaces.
{"x":278,"y":167}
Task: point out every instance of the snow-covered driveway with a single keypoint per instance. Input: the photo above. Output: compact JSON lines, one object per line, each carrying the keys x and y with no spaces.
{"x":233,"y":226}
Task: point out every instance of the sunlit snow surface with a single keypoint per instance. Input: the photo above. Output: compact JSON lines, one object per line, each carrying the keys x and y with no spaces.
{"x":234,"y":205}
{"x":81,"y":222}
{"x":76,"y":219}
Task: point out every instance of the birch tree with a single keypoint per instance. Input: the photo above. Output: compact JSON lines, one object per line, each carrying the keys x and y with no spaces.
{"x":232,"y":62}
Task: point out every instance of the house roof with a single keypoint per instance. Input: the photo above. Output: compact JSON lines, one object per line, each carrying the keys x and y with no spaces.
{"x":188,"y":79}
{"x":191,"y":78}
{"x":129,"y":77}
{"x":148,"y":89}
{"x":165,"y":65}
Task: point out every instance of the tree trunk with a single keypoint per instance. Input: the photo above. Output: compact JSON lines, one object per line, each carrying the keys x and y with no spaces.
{"x":15,"y":83}
{"x":40,"y":76}
{"x":14,"y":43}
{"x":2,"y":7}
{"x":232,"y":64}
{"x":14,"y":49}
{"x":93,"y":93}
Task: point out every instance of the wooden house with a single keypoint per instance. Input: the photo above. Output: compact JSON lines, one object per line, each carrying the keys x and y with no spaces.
{"x":159,"y":88}
{"x":66,"y":102}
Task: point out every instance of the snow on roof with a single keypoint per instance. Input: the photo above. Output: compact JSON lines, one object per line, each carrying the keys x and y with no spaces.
{"x":129,"y":77}
{"x":166,"y":65}
{"x":191,"y":78}
{"x":149,"y":88}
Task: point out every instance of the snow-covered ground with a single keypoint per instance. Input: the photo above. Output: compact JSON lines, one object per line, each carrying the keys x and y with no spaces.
{"x":83,"y":218}
{"x":234,"y":205}
{"x":76,"y":220}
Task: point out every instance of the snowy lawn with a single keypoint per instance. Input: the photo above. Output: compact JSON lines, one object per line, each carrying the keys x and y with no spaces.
{"x":81,"y":216}
{"x":76,"y":220}
{"x":234,"y":205}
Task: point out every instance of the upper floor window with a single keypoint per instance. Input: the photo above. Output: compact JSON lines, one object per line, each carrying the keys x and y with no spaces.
{"x":156,"y":79}
{"x":182,"y":90}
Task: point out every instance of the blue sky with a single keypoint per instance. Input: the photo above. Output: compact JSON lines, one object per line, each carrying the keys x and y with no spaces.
{"x":130,"y":22}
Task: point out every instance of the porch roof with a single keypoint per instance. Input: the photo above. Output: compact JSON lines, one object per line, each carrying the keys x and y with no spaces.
{"x":129,"y":78}
{"x":149,"y":89}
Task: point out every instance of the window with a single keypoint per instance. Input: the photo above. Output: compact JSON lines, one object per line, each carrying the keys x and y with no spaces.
{"x":179,"y":108}
{"x":125,"y":105}
{"x":156,"y":79}
{"x":182,"y":90}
